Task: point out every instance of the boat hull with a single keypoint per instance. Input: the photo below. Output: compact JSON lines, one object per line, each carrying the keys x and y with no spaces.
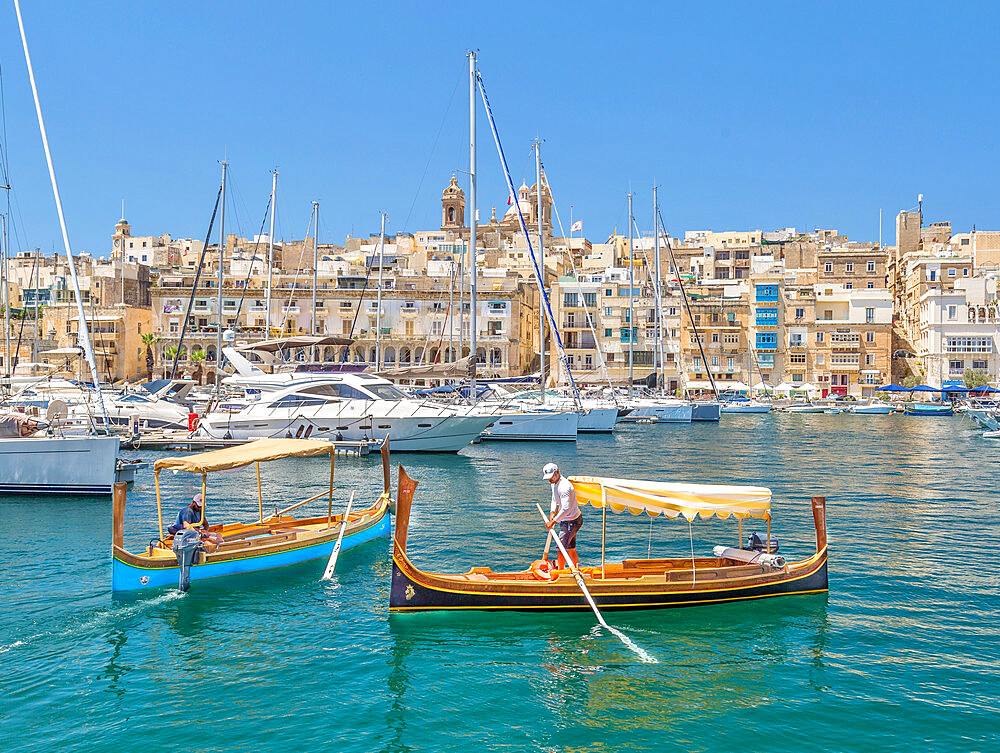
{"x":560,"y":426}
{"x":872,"y":410}
{"x":58,"y":465}
{"x":414,"y":590}
{"x":928,"y":410}
{"x":737,"y":408}
{"x":705,"y":411}
{"x":679,"y":413}
{"x":128,"y":573}
{"x":598,"y":420}
{"x":449,"y":433}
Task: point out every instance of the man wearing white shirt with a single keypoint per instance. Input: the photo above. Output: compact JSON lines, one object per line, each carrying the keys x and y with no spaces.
{"x":565,"y":512}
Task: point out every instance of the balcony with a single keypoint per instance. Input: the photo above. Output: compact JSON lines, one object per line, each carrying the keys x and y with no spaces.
{"x":292,"y":310}
{"x":845,"y":340}
{"x":409,"y":310}
{"x":258,"y":309}
{"x":845,"y":363}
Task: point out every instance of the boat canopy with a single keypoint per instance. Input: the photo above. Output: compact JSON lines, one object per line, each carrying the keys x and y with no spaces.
{"x":673,"y":500}
{"x":259,"y":451}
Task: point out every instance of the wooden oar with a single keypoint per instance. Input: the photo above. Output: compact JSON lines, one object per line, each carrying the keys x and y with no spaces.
{"x":629,"y":643}
{"x":552,"y":533}
{"x":328,"y":573}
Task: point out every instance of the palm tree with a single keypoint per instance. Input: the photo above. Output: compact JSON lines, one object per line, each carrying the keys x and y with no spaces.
{"x":169,"y":353}
{"x":197,"y":357}
{"x":148,"y":340}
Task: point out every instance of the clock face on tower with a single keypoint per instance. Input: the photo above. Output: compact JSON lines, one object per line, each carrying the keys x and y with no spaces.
{"x":117,"y":243}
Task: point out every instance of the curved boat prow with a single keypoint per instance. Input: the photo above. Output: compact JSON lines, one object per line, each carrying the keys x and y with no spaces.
{"x":405,"y":489}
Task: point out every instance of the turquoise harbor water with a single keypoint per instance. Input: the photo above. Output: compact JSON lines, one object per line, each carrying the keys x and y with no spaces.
{"x":902,"y":653}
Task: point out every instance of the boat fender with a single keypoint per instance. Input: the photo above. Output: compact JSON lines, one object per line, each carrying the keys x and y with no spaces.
{"x":542,"y":569}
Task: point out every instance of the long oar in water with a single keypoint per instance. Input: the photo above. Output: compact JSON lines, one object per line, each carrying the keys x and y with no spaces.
{"x":328,"y":573}
{"x":552,"y":533}
{"x":629,"y":643}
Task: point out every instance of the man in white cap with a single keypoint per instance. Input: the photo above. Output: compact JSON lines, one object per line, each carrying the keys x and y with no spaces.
{"x":565,"y":512}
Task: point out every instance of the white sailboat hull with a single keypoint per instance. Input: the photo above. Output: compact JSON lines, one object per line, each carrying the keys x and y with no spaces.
{"x":597,"y":420}
{"x":746,"y":408}
{"x":560,"y":426}
{"x":58,"y":465}
{"x":678,"y":413}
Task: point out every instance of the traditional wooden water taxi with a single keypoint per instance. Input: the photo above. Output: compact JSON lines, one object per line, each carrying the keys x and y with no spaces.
{"x":273,"y":540}
{"x":733,"y":574}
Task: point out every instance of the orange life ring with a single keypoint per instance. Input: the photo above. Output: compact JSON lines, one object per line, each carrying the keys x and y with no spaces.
{"x":542,"y":569}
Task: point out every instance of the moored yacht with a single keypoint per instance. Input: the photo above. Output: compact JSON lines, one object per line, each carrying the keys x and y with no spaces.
{"x":663,"y":410}
{"x":350,"y":407}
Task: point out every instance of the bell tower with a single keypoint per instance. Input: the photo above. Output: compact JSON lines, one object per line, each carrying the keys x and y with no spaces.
{"x":122,"y":232}
{"x":453,"y":206}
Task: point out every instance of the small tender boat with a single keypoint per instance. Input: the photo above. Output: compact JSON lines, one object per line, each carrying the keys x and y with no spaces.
{"x":833,"y":411}
{"x":929,"y":409}
{"x":731,"y":575}
{"x":272,"y":541}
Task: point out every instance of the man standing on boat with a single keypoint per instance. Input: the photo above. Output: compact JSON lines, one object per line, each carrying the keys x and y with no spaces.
{"x":565,"y":512}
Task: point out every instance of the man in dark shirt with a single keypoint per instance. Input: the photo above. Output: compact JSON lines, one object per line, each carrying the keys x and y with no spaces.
{"x":189,"y":517}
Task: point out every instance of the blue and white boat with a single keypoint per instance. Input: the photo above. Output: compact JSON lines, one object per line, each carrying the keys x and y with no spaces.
{"x":232,"y":548}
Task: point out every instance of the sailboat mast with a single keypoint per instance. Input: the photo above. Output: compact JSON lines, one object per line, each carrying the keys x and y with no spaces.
{"x":34,"y":339}
{"x":631,"y":296}
{"x":461,"y":301}
{"x":84,"y":331}
{"x":5,"y":238}
{"x":451,"y":312}
{"x":472,"y":223}
{"x":270,"y":254}
{"x":123,"y":259}
{"x":541,"y":259}
{"x":315,"y":264}
{"x":378,"y":311}
{"x":661,"y":377}
{"x":222,"y":252}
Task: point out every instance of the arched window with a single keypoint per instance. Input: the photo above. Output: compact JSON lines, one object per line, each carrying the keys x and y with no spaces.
{"x":418,"y":356}
{"x":451,"y":214}
{"x":389,"y":357}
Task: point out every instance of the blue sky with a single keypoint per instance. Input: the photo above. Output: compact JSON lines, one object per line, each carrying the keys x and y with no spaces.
{"x":755,"y":115}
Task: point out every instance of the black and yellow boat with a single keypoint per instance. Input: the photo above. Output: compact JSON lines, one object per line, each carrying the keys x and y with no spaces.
{"x":733,"y":574}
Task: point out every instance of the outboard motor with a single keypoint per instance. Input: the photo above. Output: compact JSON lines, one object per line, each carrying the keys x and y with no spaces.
{"x":187,"y":545}
{"x":756,"y":543}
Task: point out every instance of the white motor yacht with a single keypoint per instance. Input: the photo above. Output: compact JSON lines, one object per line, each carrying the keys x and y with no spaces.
{"x":350,"y":407}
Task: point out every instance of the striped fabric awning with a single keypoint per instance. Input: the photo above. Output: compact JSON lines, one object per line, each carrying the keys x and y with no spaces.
{"x":673,"y":500}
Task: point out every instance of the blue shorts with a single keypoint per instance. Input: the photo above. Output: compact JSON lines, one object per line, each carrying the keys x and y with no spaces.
{"x":568,"y":530}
